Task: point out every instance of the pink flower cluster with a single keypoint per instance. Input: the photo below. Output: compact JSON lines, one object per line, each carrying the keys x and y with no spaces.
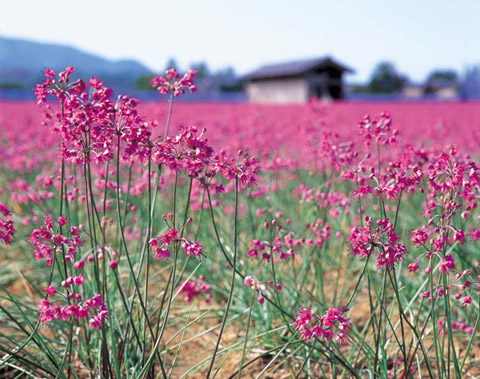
{"x":91,"y":125}
{"x":379,"y":130}
{"x":464,"y":282}
{"x":92,"y":308}
{"x":446,"y":264}
{"x":188,"y":151}
{"x":282,"y":247}
{"x":243,"y":166}
{"x":260,"y":287}
{"x":162,"y":244}
{"x":458,"y":325}
{"x":59,"y":87}
{"x":381,"y":239}
{"x":282,"y":243}
{"x":89,"y":122}
{"x":194,"y":288}
{"x":7,"y":229}
{"x":337,"y":203}
{"x":449,"y":172}
{"x":467,"y":284}
{"x":192,"y":248}
{"x":331,"y":151}
{"x":320,"y":230}
{"x":46,"y":241}
{"x":172,"y":82}
{"x":452,"y":189}
{"x":330,"y":325}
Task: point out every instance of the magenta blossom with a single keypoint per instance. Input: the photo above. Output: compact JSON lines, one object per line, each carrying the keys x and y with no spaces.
{"x":447,"y":263}
{"x":7,"y":229}
{"x":92,"y":308}
{"x":172,"y":82}
{"x":194,"y":288}
{"x":381,"y":239}
{"x":328,"y":326}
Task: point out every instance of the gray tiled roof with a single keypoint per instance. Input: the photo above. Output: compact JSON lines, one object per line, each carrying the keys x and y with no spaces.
{"x":295,"y":68}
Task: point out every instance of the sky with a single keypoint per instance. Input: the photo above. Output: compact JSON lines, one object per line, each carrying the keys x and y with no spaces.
{"x":416,"y":36}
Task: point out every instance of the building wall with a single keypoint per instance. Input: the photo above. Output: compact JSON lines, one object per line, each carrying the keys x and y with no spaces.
{"x":447,"y":93}
{"x":280,"y":91}
{"x":412,"y":92}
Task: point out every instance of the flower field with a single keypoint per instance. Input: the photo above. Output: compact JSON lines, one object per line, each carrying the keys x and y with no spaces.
{"x":172,"y":239}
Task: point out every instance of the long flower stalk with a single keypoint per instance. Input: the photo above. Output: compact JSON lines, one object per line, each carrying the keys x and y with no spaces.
{"x":232,"y":283}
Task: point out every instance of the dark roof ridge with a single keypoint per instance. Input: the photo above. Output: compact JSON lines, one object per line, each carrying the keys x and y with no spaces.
{"x":294,"y":68}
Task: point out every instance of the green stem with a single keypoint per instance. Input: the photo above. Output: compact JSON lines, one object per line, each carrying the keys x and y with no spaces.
{"x":246,"y":335}
{"x":130,"y":265}
{"x":449,"y":325}
{"x":169,"y":115}
{"x":377,"y":345}
{"x":232,"y":284}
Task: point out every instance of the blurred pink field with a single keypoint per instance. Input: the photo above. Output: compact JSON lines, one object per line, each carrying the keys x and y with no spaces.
{"x":269,"y":131}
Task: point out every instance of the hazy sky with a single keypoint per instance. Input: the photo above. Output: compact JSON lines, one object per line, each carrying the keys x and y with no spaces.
{"x":416,"y":35}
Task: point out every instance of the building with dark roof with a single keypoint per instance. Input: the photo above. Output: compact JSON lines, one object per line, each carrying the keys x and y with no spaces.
{"x":297,"y":82}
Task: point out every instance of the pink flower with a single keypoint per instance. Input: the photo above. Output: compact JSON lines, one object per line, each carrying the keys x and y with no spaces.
{"x":7,"y":230}
{"x":303,"y":318}
{"x":78,"y":280}
{"x":412,"y":267}
{"x":418,"y":237}
{"x":379,"y":130}
{"x":459,"y":236}
{"x":172,"y":82}
{"x":382,"y":239}
{"x":361,"y":191}
{"x":260,"y":299}
{"x":161,"y":254}
{"x":447,"y":263}
{"x":45,"y":242}
{"x":332,"y":324}
{"x":243,"y":167}
{"x":161,"y":244}
{"x":195,"y":287}
{"x":188,"y":150}
{"x":50,"y":290}
{"x":61,"y":221}
{"x":474,"y":234}
{"x":93,"y":308}
{"x":192,"y":249}
{"x":248,"y":281}
{"x":466,"y":301}
{"x":78,"y":265}
{"x":169,"y":236}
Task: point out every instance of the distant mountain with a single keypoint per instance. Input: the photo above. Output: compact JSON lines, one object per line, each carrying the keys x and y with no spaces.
{"x":22,"y":62}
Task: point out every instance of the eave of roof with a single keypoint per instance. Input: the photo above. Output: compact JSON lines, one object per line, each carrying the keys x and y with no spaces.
{"x":295,"y":68}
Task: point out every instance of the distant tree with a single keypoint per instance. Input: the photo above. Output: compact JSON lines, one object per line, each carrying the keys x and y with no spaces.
{"x":204,"y":79}
{"x":222,"y":80}
{"x":143,"y":83}
{"x":171,"y":63}
{"x":226,"y":74}
{"x":357,"y":88}
{"x":447,"y":75}
{"x":227,"y":80}
{"x":11,"y":85}
{"x":386,"y":79}
{"x":202,"y":70}
{"x":440,"y":78}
